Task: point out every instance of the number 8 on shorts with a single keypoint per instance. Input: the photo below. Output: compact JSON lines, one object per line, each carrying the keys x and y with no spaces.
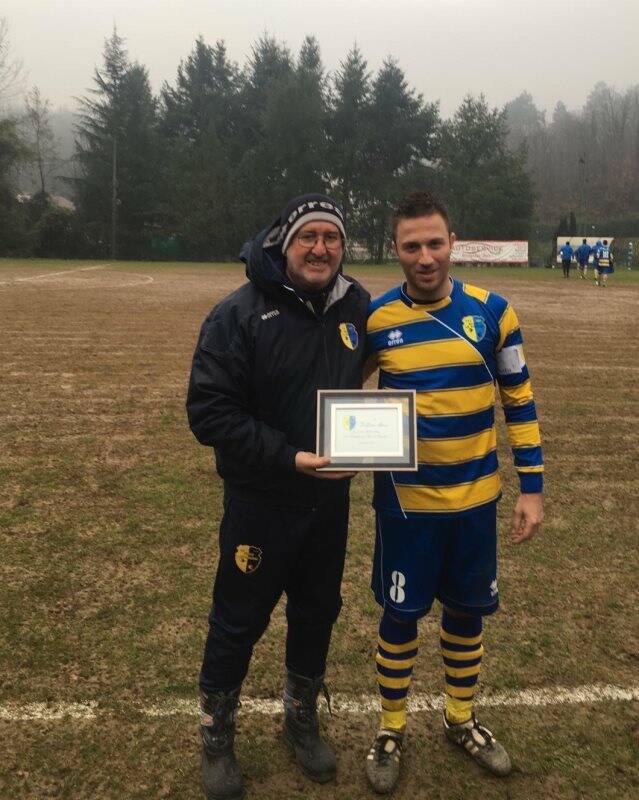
{"x":397,"y":593}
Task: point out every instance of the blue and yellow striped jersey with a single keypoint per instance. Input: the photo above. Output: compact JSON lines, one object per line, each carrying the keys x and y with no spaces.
{"x":453,"y":352}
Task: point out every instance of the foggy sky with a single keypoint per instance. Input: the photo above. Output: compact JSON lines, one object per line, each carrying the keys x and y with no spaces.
{"x":555,"y":49}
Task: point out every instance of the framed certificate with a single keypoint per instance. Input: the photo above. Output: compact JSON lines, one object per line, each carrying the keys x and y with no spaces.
{"x":367,"y":430}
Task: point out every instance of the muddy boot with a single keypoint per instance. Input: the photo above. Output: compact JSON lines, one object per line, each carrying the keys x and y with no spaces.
{"x":314,"y":756}
{"x":221,"y":774}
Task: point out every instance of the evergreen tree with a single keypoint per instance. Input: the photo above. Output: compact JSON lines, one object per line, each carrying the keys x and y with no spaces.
{"x":204,"y":96}
{"x":262,"y":180}
{"x":486,"y":185}
{"x":347,"y":128}
{"x":294,"y":127}
{"x":117,"y":137}
{"x":199,"y":122}
{"x":400,"y":135}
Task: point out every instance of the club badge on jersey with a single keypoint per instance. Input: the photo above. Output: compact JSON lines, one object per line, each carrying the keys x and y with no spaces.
{"x":349,"y":335}
{"x":474,"y":328}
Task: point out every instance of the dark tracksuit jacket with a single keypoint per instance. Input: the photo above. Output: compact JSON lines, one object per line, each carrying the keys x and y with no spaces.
{"x":262,"y":354}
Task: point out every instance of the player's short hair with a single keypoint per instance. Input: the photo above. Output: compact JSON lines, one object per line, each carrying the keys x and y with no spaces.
{"x":584,"y":241}
{"x":605,"y":241}
{"x":419,"y":204}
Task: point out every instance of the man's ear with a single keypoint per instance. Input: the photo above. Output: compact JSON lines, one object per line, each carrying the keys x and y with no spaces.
{"x":452,"y":239}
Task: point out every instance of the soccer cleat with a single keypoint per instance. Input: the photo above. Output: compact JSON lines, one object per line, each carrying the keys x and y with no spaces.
{"x":221,"y":775}
{"x":384,"y":759}
{"x":314,"y":755}
{"x":480,"y":744}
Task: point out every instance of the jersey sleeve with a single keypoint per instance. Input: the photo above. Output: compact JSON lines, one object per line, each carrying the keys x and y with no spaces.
{"x":518,"y":403}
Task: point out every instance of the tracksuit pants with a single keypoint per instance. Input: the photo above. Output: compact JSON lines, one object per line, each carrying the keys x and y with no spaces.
{"x":267,"y":550}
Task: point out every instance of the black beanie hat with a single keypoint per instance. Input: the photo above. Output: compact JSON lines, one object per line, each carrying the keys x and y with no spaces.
{"x":299,"y":211}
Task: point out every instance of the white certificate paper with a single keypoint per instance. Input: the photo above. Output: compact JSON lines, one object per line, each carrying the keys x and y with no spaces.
{"x":371,"y":429}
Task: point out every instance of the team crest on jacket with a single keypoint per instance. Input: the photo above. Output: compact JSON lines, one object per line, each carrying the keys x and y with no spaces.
{"x":474,"y":328}
{"x":349,"y":335}
{"x":247,"y":557}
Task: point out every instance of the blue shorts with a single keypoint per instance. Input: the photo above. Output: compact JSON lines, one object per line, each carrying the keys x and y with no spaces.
{"x":453,"y":559}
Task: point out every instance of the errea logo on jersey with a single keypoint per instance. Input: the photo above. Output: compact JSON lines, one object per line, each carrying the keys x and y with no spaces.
{"x":271,"y":314}
{"x":395,"y":337}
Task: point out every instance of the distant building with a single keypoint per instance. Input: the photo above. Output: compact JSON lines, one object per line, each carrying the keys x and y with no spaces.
{"x":56,"y":200}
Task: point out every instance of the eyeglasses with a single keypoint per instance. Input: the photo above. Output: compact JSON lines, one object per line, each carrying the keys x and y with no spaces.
{"x":332,"y":240}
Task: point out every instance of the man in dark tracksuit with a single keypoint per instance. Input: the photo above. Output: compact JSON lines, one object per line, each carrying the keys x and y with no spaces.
{"x":297,"y":326}
{"x":566,"y":253}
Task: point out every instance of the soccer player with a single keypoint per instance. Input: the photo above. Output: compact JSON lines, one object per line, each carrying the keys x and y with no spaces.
{"x":436,"y":528}
{"x":582,"y":254}
{"x":297,"y":325}
{"x":566,"y":253}
{"x":603,"y":263}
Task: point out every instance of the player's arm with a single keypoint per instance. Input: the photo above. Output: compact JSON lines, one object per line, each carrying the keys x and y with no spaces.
{"x":522,"y":427}
{"x":218,"y":398}
{"x":370,"y":366}
{"x":218,"y":405}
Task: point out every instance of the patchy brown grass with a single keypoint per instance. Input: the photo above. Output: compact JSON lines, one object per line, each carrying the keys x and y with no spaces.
{"x":108,"y":517}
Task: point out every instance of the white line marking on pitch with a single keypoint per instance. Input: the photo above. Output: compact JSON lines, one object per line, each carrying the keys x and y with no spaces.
{"x":345,"y":704}
{"x":144,"y":279}
{"x":64,"y":272}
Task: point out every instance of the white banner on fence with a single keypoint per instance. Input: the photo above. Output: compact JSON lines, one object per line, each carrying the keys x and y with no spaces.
{"x":487,"y":252}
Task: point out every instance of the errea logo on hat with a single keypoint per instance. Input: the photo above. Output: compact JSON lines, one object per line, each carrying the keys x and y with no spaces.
{"x":310,"y":205}
{"x":309,"y":208}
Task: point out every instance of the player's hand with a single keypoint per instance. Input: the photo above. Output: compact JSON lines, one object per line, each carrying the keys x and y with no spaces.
{"x":309,"y":463}
{"x":527,"y":517}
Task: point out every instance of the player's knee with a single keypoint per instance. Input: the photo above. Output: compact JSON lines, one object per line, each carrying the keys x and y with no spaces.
{"x":454,"y":612}
{"x":244,"y":629}
{"x":319,"y":613}
{"x":411,"y":618}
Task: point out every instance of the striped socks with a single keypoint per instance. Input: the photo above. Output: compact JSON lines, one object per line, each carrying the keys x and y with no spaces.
{"x":462,"y":649}
{"x":396,"y":653}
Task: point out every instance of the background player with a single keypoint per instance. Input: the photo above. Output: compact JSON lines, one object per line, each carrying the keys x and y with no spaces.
{"x":603,"y":263}
{"x":566,"y":253}
{"x":436,"y":528}
{"x":582,"y":254}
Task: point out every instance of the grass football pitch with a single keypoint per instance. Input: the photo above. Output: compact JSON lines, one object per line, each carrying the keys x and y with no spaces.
{"x":108,"y":521}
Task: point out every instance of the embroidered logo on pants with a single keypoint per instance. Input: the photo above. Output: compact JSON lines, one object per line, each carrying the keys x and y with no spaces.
{"x":247,"y":557}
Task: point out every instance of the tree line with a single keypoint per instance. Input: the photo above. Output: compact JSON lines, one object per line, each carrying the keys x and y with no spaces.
{"x":192,"y":172}
{"x":582,"y":164}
